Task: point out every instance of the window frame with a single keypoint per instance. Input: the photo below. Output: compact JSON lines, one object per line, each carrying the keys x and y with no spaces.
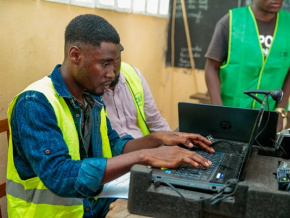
{"x":100,"y":5}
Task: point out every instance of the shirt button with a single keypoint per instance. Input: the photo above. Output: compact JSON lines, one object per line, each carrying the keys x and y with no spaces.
{"x":47,"y":151}
{"x":77,"y":115}
{"x":87,"y":209}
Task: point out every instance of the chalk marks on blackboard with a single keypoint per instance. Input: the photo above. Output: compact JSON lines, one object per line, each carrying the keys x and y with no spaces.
{"x":184,"y":55}
{"x":195,"y":9}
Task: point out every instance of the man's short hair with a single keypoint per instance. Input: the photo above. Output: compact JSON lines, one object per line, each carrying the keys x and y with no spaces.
{"x":90,"y":29}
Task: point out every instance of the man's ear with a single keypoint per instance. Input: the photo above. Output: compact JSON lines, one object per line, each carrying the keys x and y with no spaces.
{"x":75,"y":54}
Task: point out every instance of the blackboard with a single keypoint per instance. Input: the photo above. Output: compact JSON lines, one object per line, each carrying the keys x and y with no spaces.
{"x":202,"y":16}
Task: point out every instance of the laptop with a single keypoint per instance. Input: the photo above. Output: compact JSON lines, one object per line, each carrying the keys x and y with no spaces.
{"x":230,"y":129}
{"x":225,"y":122}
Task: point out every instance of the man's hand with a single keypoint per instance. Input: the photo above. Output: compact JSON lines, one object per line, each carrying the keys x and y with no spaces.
{"x":171,"y":157}
{"x":171,"y":138}
{"x":150,"y":151}
{"x":187,"y":139}
{"x":280,"y":123}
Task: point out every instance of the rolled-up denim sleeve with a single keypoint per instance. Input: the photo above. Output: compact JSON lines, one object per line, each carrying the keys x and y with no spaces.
{"x":117,"y":143}
{"x":40,"y":150}
{"x":90,"y":176}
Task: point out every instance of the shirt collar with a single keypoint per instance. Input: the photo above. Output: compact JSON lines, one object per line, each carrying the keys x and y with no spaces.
{"x":59,"y":84}
{"x":122,"y":78}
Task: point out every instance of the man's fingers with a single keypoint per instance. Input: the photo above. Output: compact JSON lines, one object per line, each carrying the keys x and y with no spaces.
{"x":197,"y":139}
{"x":187,"y":139}
{"x":173,"y":156}
{"x":204,"y":143}
{"x":195,"y":160}
{"x":201,"y":139}
{"x":199,"y":159}
{"x":206,"y":147}
{"x":187,"y":143}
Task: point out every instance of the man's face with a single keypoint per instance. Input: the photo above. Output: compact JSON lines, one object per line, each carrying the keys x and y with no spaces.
{"x":98,"y":67}
{"x":268,"y":6}
{"x":117,"y":73}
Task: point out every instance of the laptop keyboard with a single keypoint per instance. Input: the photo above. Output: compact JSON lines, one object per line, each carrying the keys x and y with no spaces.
{"x":202,"y":173}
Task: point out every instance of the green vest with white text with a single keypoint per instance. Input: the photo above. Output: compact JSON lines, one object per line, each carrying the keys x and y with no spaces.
{"x":30,"y":198}
{"x":246,"y":68}
{"x":134,"y":83}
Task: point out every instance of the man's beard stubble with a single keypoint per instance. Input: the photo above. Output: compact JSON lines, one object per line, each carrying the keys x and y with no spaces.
{"x":115,"y":81}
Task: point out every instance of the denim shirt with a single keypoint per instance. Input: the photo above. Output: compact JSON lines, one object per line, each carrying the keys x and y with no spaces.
{"x":40,"y":150}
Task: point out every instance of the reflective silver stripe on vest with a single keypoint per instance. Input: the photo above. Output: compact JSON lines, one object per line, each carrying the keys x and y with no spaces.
{"x":39,"y":196}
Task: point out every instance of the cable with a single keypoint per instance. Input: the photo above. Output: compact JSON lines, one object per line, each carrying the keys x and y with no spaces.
{"x":158,"y":182}
{"x":288,"y":187}
{"x":260,"y":132}
{"x":285,"y":187}
{"x":231,"y":183}
{"x":221,"y":141}
{"x":217,"y":141}
{"x":275,"y":143}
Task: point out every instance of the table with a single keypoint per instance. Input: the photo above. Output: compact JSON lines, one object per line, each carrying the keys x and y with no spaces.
{"x":118,"y":209}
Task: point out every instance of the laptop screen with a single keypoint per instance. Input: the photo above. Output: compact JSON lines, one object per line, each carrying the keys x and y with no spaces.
{"x":226,"y":122}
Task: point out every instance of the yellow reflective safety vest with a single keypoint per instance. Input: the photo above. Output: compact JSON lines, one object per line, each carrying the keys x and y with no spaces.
{"x":246,"y":68}
{"x":135,"y":85}
{"x":30,"y":198}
